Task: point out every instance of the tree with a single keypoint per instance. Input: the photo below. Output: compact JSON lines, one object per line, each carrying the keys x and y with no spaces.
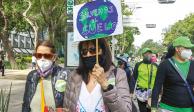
{"x":181,"y":28}
{"x":156,"y":47}
{"x":32,"y":21}
{"x":12,"y":20}
{"x":126,"y":39}
{"x":24,"y":15}
{"x":4,"y":34}
{"x":46,"y":14}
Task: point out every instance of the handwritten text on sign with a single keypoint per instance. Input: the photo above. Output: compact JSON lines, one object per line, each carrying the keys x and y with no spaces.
{"x":97,"y":19}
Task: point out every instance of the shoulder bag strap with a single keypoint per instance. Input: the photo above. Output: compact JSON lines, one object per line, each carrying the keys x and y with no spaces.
{"x":115,"y":71}
{"x":180,"y":74}
{"x":150,"y":76}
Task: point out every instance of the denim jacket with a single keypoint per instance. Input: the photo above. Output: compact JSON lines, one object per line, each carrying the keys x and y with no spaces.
{"x":33,"y":78}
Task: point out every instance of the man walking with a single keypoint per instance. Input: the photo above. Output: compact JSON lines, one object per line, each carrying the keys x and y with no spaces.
{"x":144,"y":74}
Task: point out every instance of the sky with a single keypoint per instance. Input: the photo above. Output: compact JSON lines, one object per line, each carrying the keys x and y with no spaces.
{"x":163,"y":15}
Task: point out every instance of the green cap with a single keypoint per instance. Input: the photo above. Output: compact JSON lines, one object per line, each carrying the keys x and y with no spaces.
{"x":145,"y":50}
{"x":183,"y":42}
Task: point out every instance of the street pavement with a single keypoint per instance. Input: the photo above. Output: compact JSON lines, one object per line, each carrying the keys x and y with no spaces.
{"x":17,"y":78}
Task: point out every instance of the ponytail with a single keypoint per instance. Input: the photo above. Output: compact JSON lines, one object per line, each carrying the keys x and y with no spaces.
{"x":171,"y":51}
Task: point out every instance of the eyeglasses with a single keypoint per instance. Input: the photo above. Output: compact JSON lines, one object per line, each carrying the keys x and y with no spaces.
{"x":92,"y":51}
{"x":46,"y":56}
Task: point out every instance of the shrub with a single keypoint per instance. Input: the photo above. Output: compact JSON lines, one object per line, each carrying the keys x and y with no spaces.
{"x":60,"y":60}
{"x":20,"y":62}
{"x":28,"y":59}
{"x":7,"y":65}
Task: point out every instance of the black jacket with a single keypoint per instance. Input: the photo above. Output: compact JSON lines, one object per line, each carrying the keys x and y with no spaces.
{"x":175,"y":92}
{"x":31,"y":84}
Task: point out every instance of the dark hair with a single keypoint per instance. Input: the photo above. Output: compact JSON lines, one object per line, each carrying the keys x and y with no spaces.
{"x":171,"y":51}
{"x":156,"y":55}
{"x":106,"y":55}
{"x":46,"y":43}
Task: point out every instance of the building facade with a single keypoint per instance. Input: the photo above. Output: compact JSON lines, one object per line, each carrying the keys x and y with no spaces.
{"x":22,"y":42}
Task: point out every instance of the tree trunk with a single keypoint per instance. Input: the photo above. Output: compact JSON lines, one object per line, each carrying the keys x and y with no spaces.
{"x":4,"y":35}
{"x":36,"y":38}
{"x":8,"y":48}
{"x":33,"y":24}
{"x":30,"y":37}
{"x":51,"y":33}
{"x":123,"y":46}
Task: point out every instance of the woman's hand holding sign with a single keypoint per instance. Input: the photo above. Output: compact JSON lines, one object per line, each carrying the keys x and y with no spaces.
{"x":98,"y":73}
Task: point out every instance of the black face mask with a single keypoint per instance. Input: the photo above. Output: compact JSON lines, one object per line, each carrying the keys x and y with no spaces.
{"x":91,"y":61}
{"x":147,"y":58}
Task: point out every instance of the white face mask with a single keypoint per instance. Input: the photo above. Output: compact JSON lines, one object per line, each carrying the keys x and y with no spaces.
{"x":186,"y":54}
{"x":44,"y":64}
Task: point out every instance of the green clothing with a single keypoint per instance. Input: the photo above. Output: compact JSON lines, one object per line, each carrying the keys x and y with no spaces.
{"x":174,"y":109}
{"x":183,"y":41}
{"x":144,"y":74}
{"x":183,"y":66}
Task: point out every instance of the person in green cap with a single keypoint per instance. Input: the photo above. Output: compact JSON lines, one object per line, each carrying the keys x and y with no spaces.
{"x":144,"y":74}
{"x":172,"y":74}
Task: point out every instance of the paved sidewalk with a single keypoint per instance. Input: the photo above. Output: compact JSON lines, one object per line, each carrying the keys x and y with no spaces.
{"x":15,"y":74}
{"x":18,"y":80}
{"x":17,"y":92}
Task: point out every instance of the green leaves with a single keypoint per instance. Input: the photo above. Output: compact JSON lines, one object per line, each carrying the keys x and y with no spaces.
{"x":4,"y":99}
{"x":13,"y":11}
{"x":156,"y":47}
{"x":126,"y":39}
{"x":181,"y":28}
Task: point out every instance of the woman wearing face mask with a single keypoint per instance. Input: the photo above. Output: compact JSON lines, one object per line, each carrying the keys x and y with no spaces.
{"x":144,"y":74}
{"x":97,"y":87}
{"x":45,"y":86}
{"x":175,"y":97}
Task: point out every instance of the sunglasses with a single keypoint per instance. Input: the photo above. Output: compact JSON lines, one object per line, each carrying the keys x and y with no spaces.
{"x":92,"y":51}
{"x":46,"y":56}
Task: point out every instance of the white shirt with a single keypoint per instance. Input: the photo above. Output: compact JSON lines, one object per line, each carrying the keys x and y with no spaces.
{"x":90,"y":102}
{"x":33,"y":59}
{"x":48,"y":94}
